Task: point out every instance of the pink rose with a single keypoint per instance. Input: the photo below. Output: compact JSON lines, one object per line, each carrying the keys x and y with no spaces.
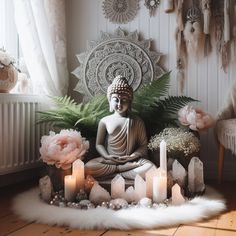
{"x":195,"y":118}
{"x":63,"y":149}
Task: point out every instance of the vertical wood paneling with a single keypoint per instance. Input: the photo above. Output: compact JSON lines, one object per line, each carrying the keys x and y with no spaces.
{"x":206,"y":81}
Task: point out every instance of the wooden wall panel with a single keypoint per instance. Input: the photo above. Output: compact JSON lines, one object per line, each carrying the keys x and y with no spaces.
{"x":205,"y":79}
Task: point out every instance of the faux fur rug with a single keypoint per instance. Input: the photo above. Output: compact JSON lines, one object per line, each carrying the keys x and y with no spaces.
{"x":29,"y":207}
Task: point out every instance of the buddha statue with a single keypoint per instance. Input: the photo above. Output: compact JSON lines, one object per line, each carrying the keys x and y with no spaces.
{"x":121,"y":138}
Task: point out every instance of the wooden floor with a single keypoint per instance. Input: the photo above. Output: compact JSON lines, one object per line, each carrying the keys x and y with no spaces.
{"x":224,"y":224}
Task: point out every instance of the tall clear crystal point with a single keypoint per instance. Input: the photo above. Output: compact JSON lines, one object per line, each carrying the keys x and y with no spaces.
{"x":195,"y":175}
{"x":179,"y":173}
{"x":149,"y":181}
{"x":130,"y":194}
{"x":140,"y":187}
{"x":117,"y":187}
{"x":98,"y":194}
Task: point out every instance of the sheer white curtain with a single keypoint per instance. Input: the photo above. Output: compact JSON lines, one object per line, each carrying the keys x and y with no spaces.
{"x":42,"y":33}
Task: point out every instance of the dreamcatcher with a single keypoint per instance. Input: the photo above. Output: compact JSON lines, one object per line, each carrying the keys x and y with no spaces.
{"x":193,"y":33}
{"x":152,"y":5}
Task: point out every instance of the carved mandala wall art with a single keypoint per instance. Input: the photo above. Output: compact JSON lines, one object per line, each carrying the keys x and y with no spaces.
{"x":120,"y":11}
{"x":116,"y":54}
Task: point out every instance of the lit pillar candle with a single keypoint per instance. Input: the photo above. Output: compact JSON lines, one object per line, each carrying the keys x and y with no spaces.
{"x":159,"y":187}
{"x":78,"y":172}
{"x":163,"y":158}
{"x":149,"y":181}
{"x":177,"y":197}
{"x":70,"y":187}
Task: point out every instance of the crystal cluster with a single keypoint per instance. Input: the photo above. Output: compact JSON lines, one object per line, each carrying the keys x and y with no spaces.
{"x":180,"y":183}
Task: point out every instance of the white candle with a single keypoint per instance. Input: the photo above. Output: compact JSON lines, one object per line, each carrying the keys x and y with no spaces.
{"x":117,"y":187}
{"x":159,"y":187}
{"x":78,"y":172}
{"x":149,"y":181}
{"x":177,"y":197}
{"x":70,"y":187}
{"x":163,"y":159}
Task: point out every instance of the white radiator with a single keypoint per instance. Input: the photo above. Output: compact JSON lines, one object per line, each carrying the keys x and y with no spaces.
{"x":19,"y":134}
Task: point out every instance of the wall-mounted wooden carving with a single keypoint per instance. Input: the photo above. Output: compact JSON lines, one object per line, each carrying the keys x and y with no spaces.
{"x":116,"y":54}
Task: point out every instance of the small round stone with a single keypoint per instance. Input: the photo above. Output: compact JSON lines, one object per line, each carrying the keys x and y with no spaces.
{"x":104,"y":204}
{"x":145,"y":202}
{"x":154,"y":205}
{"x":62,"y":204}
{"x":111,"y":206}
{"x":90,"y":206}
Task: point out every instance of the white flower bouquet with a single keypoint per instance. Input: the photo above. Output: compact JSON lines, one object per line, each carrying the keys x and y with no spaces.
{"x":63,"y":149}
{"x":6,"y":59}
{"x":180,"y":143}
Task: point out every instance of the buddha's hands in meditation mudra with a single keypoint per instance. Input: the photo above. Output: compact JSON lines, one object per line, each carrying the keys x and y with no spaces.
{"x":121,"y":138}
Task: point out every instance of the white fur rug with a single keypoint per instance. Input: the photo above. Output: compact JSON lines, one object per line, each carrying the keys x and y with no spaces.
{"x":29,"y":207}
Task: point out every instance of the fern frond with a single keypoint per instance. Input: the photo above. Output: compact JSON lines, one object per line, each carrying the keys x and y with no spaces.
{"x":151,"y":93}
{"x":150,"y":103}
{"x":163,"y":113}
{"x":70,"y":115}
{"x":63,"y":101}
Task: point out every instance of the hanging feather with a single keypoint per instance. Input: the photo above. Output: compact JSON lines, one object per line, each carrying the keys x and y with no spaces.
{"x":179,"y":14}
{"x":219,"y":23}
{"x":168,"y":6}
{"x":226,"y":21}
{"x":206,"y":9}
{"x":180,"y":60}
{"x":180,"y":77}
{"x":233,"y":41}
{"x":225,"y":56}
{"x":226,"y":37}
{"x":180,"y":48}
{"x":193,"y":33}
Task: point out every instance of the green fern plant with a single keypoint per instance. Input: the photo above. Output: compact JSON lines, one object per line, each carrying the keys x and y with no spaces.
{"x":83,"y":117}
{"x":151,"y":103}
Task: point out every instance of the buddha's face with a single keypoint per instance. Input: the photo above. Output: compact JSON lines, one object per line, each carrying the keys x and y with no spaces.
{"x":120,"y":103}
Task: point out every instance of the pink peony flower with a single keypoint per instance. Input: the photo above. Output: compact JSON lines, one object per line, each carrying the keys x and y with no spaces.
{"x":63,"y":149}
{"x":195,"y":118}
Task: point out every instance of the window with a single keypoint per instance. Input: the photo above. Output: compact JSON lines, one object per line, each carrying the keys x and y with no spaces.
{"x":9,"y":40}
{"x":8,"y":34}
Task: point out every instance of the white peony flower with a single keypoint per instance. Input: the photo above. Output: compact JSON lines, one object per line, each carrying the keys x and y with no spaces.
{"x":5,"y":58}
{"x":63,"y":149}
{"x":195,"y":118}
